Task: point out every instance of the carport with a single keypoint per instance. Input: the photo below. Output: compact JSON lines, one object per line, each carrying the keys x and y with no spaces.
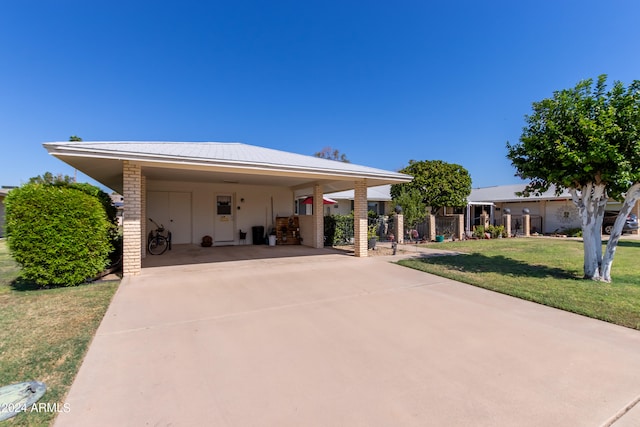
{"x":218,"y":189}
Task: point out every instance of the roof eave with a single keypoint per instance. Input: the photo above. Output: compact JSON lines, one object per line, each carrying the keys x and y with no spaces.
{"x":59,"y":150}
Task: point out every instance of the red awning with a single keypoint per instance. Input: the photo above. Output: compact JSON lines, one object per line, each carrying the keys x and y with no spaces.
{"x":325,"y":201}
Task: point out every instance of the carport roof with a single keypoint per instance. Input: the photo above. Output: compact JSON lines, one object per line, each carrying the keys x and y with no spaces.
{"x":227,"y":162}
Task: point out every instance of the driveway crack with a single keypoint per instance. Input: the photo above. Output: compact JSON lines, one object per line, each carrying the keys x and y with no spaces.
{"x":629,"y":406}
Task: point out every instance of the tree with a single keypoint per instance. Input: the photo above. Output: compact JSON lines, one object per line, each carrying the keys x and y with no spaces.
{"x":585,"y":140}
{"x":412,"y":203}
{"x":75,"y":138}
{"x":440,"y":184}
{"x":49,"y":178}
{"x":332,"y":154}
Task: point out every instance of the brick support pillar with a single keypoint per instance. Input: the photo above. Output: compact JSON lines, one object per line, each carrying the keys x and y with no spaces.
{"x":459,"y":227}
{"x":132,"y":224}
{"x":400,"y":228}
{"x":432,"y":228}
{"x":360,"y":218}
{"x":526,"y":225}
{"x":506,"y":218}
{"x":484,"y":220}
{"x":143,"y":222}
{"x":318,"y":217}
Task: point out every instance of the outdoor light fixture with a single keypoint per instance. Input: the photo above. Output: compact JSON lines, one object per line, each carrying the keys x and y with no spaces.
{"x":398,"y":209}
{"x":525,"y":211}
{"x":507,"y":211}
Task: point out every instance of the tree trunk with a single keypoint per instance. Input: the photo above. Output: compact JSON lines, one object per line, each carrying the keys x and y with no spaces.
{"x":629,"y":202}
{"x":592,"y":256}
{"x":591,"y":204}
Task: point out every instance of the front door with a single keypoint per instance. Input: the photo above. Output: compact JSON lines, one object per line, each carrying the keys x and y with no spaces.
{"x":224,"y":221}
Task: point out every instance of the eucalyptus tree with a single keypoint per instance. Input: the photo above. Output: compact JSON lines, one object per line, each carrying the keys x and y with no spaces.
{"x":332,"y":154}
{"x":586,"y":140}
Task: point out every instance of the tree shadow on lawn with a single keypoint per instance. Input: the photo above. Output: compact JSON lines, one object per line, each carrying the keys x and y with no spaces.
{"x":627,"y":243}
{"x":479,"y":263}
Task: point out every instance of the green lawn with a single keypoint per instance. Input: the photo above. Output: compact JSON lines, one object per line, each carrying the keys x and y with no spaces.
{"x":546,"y":271}
{"x":44,"y":333}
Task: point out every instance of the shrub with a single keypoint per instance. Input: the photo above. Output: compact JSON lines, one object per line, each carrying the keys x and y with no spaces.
{"x":478,"y":233}
{"x":573,"y":232}
{"x":496,"y":231}
{"x":59,"y":234}
{"x":338,"y":229}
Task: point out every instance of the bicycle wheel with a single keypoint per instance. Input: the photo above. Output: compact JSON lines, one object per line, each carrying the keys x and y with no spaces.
{"x":158,"y":245}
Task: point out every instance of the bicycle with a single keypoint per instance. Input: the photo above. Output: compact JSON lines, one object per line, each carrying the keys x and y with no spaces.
{"x":157,"y":243}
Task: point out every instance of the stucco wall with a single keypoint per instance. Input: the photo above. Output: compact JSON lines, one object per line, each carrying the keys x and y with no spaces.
{"x":343,"y":207}
{"x":255,"y":210}
{"x":556,"y":214}
{"x":561,"y":216}
{"x":306,"y":229}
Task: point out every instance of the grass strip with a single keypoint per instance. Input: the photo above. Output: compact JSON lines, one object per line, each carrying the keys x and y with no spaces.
{"x":546,"y":271}
{"x":45,"y":333}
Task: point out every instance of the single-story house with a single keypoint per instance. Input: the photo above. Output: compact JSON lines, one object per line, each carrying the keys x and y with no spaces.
{"x":378,"y":201}
{"x":218,"y":189}
{"x":549,"y":212}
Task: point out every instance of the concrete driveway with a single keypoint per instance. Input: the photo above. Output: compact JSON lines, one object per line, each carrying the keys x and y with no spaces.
{"x":333,"y":340}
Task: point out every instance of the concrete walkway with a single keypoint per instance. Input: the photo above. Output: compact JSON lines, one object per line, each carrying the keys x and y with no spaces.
{"x":333,"y":340}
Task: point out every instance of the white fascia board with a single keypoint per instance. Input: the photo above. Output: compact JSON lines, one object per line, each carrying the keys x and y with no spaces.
{"x":62,"y":149}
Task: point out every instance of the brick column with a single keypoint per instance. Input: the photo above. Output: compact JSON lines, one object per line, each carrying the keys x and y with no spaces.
{"x":132,"y":227}
{"x":360,"y":218}
{"x":143,"y":222}
{"x":432,"y":227}
{"x":460,"y":227}
{"x":484,"y":220}
{"x":526,"y":225}
{"x":506,"y":218}
{"x":318,"y":217}
{"x":400,"y":228}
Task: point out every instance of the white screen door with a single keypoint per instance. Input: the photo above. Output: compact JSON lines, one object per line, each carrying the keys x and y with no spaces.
{"x":224,"y":221}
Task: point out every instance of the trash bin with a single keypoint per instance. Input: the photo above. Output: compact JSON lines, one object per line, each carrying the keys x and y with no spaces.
{"x":272,"y":240}
{"x":257,"y":233}
{"x":439,"y":238}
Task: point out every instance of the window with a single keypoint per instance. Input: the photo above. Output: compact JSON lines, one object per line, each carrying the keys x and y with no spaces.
{"x":224,"y":205}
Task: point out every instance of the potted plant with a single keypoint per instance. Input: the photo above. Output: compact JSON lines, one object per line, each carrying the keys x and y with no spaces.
{"x":372,"y":236}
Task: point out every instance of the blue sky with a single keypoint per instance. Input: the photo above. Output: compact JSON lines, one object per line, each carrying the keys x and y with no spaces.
{"x":383,"y":82}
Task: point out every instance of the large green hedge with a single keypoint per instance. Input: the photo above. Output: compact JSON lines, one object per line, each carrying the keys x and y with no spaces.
{"x":60,"y":235}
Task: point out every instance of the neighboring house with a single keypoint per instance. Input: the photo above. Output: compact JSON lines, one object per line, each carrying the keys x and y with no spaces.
{"x":218,"y":189}
{"x":549,"y":212}
{"x":378,"y":201}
